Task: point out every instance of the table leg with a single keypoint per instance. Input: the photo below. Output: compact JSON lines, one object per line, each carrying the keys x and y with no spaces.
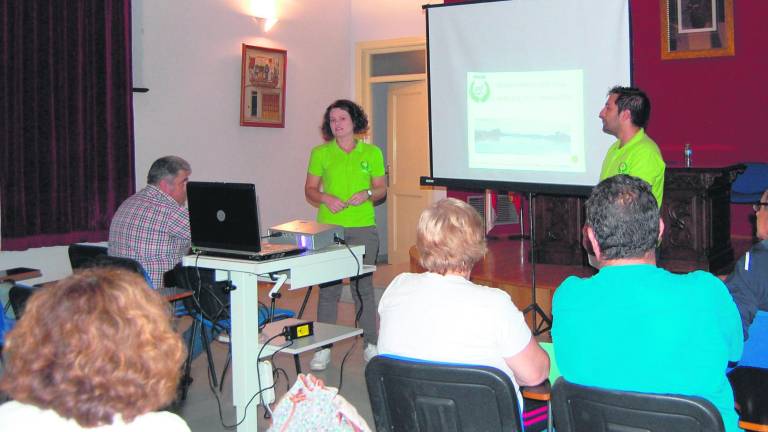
{"x":550,"y":420}
{"x":297,"y":363}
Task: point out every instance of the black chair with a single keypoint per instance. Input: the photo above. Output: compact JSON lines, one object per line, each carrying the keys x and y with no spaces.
{"x":750,"y":390}
{"x":580,"y":408}
{"x":79,"y":254}
{"x":418,"y":396}
{"x":209,"y":306}
{"x":113,"y":261}
{"x":18,"y":296}
{"x":86,"y":256}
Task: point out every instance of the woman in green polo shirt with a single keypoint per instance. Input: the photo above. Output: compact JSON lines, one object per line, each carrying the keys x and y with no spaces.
{"x":344,"y":178}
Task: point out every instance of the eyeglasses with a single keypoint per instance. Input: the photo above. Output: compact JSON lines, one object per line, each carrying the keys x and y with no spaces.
{"x":756,"y":206}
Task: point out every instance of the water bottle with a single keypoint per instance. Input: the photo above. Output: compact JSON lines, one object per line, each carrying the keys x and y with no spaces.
{"x":687,"y":153}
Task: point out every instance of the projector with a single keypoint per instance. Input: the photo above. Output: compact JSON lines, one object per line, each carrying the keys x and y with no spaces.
{"x":306,"y":234}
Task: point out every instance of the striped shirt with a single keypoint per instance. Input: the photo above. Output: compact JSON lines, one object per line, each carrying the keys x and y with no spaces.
{"x":153,"y":229}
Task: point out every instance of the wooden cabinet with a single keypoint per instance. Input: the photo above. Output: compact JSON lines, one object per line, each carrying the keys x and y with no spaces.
{"x":558,"y":229}
{"x":696,"y":214}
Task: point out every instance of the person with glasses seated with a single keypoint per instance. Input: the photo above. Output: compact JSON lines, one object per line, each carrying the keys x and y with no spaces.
{"x":748,"y":283}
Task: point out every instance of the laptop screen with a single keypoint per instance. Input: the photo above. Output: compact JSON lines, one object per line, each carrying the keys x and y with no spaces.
{"x":224,"y":217}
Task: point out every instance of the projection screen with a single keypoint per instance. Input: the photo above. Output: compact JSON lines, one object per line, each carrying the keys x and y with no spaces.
{"x":515,"y":88}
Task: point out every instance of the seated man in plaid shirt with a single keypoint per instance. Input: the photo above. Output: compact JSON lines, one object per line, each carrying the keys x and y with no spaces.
{"x":152,"y":226}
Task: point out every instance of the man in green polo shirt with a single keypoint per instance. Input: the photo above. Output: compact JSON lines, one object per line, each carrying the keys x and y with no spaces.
{"x":625,"y":115}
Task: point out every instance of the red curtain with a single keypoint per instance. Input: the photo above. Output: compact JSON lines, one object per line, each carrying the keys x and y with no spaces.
{"x":66,"y":119}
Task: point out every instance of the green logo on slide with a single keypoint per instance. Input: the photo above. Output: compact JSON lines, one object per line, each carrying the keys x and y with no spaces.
{"x":479,"y":90}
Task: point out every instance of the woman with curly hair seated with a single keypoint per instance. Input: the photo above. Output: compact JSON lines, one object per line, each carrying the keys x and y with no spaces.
{"x":95,"y":351}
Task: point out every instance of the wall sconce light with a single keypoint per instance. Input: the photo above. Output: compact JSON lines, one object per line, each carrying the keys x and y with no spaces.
{"x":264,"y":12}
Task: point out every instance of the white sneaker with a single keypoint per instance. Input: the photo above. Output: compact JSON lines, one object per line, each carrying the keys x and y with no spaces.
{"x":370,"y":352}
{"x":223,"y":338}
{"x":320,"y":360}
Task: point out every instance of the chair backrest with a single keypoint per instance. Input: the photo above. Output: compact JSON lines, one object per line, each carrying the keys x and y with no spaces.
{"x":755,"y":351}
{"x":424,"y":397}
{"x":209,"y":298}
{"x":113,"y":261}
{"x":750,"y":391}
{"x":79,"y":254}
{"x":17,"y":297}
{"x":749,"y":185}
{"x":578,"y":408}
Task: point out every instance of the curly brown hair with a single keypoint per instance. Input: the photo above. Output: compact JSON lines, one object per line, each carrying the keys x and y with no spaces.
{"x":93,"y":345}
{"x":356,"y":113}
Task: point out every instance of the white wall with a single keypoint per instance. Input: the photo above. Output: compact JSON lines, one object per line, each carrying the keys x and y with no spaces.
{"x":387,"y":19}
{"x":191,"y":64}
{"x":188,"y":54}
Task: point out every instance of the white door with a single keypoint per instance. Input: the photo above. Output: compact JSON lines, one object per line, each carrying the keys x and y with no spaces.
{"x":407,"y":161}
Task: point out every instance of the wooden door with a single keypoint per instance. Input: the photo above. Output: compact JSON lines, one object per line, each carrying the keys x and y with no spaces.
{"x":407,"y":160}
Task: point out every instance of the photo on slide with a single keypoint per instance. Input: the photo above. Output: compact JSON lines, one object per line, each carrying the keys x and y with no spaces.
{"x":526,"y":120}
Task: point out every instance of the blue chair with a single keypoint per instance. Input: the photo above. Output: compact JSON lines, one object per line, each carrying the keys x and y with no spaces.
{"x":279,"y":314}
{"x":756,"y":346}
{"x":17,"y":298}
{"x":749,"y":379}
{"x":749,"y":185}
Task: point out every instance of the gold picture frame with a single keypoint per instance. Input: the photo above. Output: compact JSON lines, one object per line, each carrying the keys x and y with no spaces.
{"x":696,"y":28}
{"x":262,"y":87}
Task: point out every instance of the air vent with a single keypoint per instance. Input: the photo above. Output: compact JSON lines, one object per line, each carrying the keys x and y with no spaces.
{"x":506,"y":213}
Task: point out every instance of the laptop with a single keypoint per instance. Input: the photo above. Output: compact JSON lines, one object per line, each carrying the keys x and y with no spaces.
{"x":224,"y":221}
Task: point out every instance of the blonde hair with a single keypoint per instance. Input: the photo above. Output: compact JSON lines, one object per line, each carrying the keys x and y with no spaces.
{"x":450,"y":237}
{"x":95,"y":344}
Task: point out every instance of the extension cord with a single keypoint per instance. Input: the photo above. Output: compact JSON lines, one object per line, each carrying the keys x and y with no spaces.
{"x":265,"y":375}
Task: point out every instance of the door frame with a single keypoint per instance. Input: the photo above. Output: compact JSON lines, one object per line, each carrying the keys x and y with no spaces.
{"x":364,"y":51}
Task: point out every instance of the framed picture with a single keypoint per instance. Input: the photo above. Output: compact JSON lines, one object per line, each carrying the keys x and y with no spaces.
{"x":262,"y":90}
{"x":696,"y":28}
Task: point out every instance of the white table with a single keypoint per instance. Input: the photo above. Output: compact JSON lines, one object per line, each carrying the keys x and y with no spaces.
{"x":310,"y":268}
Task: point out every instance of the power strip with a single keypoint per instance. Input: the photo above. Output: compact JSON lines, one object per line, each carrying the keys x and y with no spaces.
{"x":265,"y":375}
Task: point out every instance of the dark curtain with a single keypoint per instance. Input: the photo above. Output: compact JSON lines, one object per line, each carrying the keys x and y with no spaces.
{"x":66,"y":119}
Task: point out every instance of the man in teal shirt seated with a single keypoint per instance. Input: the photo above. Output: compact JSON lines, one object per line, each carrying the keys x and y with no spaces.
{"x":625,"y":116}
{"x":636,"y":327}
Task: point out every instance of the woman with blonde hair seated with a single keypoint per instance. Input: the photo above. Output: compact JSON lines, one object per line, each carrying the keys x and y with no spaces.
{"x":441,"y":316}
{"x":96,"y":351}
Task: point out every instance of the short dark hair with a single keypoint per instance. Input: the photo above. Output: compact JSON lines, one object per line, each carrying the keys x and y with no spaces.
{"x":623,"y":213}
{"x":356,"y":113}
{"x":166,"y":166}
{"x":634,"y":100}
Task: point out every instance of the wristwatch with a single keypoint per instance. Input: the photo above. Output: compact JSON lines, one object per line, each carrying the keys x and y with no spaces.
{"x":370,"y":193}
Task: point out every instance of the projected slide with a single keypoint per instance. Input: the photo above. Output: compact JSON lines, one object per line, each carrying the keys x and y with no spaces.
{"x":526,"y":121}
